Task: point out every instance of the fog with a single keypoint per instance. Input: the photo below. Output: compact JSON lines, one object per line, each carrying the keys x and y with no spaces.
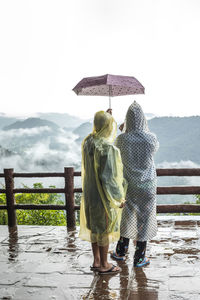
{"x":39,"y":150}
{"x":43,"y":149}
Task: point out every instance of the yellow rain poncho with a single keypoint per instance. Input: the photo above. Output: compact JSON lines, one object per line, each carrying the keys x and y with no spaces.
{"x":103,"y":184}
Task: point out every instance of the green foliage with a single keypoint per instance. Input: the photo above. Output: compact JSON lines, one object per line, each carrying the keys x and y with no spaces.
{"x":197,"y":202}
{"x":197,"y":199}
{"x":190,"y":214}
{"x":35,"y":217}
{"x":3,"y":213}
{"x":77,"y":202}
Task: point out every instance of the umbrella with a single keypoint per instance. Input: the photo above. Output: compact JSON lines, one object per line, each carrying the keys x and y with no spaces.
{"x":109,"y":85}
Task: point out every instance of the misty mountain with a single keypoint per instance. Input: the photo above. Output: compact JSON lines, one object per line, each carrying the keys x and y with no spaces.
{"x":6,"y":153}
{"x":63,"y":120}
{"x":31,"y":123}
{"x":179,"y":138}
{"x":39,"y":145}
{"x":43,"y":145}
{"x":81,"y":130}
{"x":5,"y":121}
{"x":149,"y":116}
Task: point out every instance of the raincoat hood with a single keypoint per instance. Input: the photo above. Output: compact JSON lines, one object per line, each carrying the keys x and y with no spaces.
{"x":104,"y":126}
{"x":135,"y":118}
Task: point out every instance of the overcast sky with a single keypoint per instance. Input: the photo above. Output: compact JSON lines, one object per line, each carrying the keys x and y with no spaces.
{"x":47,"y":46}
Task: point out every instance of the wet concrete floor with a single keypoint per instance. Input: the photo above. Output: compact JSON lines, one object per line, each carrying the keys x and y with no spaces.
{"x":42,"y":262}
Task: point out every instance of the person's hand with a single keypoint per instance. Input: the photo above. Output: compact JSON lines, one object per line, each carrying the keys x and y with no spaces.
{"x":122,"y":204}
{"x":121,"y":127}
{"x":109,"y":110}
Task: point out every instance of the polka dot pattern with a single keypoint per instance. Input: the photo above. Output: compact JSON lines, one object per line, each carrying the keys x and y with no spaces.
{"x":138,"y":145}
{"x":113,"y":85}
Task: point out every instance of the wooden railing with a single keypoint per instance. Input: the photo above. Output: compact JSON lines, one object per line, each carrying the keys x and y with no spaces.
{"x":69,"y":190}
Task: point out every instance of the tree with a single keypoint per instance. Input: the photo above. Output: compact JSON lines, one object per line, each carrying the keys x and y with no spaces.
{"x":36,"y":217}
{"x":197,"y":199}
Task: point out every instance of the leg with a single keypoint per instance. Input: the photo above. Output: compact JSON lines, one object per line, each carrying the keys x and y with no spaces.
{"x":103,"y":257}
{"x":105,"y":265}
{"x":96,"y":255}
{"x":122,"y":246}
{"x":140,"y":252}
{"x":121,"y":249}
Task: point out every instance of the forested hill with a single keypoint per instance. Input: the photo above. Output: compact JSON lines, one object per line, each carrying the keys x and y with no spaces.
{"x":31,"y":123}
{"x":179,"y":138}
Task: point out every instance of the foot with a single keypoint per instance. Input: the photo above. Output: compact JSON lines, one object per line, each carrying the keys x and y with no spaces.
{"x":112,"y":269}
{"x":95,"y":267}
{"x":142,"y":263}
{"x":114,"y":255}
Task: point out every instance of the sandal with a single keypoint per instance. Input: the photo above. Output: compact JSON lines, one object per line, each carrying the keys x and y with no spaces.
{"x":114,"y":255}
{"x":142,"y":263}
{"x":94,"y":268}
{"x":110,"y":271}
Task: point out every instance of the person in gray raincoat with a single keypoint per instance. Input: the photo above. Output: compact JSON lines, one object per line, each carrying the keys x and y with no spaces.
{"x":137,"y":146}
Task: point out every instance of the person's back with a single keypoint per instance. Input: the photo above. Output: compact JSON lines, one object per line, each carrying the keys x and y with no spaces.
{"x":103,"y":191}
{"x":137,"y":146}
{"x":99,"y":162}
{"x":137,"y":149}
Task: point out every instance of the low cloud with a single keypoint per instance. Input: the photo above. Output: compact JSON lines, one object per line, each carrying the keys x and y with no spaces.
{"x":49,"y":152}
{"x":43,"y":149}
{"x":24,"y":132}
{"x":180,"y":164}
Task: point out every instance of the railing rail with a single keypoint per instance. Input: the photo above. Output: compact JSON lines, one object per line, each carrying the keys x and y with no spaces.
{"x":10,"y":191}
{"x":69,"y":190}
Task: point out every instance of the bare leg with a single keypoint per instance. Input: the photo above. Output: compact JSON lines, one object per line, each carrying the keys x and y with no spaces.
{"x":96,"y":255}
{"x":105,"y":265}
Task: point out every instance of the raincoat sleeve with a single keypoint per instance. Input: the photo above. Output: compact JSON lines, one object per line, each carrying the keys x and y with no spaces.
{"x":111,"y":175}
{"x":118,"y":142}
{"x":154,"y":143}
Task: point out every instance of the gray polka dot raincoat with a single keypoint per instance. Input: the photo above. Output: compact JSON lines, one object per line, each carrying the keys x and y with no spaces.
{"x":138,"y":145}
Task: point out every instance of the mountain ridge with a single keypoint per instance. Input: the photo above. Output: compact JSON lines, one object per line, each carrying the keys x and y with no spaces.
{"x":31,"y":123}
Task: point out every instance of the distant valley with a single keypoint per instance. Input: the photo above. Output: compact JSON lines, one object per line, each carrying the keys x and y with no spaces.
{"x":38,"y":144}
{"x":179,"y":137}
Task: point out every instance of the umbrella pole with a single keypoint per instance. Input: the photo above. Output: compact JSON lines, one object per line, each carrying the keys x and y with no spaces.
{"x":109,"y":102}
{"x":109,"y":97}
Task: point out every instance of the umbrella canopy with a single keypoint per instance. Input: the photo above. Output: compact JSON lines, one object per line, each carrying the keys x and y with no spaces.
{"x":109,"y":85}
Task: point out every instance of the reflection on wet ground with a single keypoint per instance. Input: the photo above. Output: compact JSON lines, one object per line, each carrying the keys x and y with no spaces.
{"x":42,"y":262}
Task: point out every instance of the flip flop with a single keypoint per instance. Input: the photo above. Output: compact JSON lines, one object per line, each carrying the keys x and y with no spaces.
{"x":143,"y":263}
{"x":94,"y":268}
{"x":110,"y":271}
{"x":117,"y":257}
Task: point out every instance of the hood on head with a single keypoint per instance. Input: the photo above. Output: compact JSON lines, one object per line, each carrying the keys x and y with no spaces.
{"x":104,"y":126}
{"x":135,"y":118}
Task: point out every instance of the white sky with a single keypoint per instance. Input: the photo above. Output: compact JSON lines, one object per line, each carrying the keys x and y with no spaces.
{"x":47,"y":46}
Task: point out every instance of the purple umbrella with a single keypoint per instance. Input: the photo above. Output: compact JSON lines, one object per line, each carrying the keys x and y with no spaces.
{"x":109,"y":85}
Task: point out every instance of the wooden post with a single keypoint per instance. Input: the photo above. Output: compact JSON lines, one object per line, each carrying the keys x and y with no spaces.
{"x":69,"y":198}
{"x":10,"y":198}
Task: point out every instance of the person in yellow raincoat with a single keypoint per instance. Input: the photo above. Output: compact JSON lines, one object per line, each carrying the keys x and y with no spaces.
{"x":104,"y":189}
